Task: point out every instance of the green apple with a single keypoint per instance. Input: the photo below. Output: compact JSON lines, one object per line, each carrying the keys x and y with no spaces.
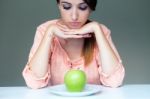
{"x":75,"y":80}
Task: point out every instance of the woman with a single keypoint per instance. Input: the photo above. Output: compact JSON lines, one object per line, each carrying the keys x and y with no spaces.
{"x":73,"y":42}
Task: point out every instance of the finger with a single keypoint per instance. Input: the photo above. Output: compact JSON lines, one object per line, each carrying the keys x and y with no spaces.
{"x":81,"y":31}
{"x":63,"y":26}
{"x":71,"y":32}
{"x":86,"y":35}
{"x":75,"y":33}
{"x":64,"y":29}
{"x":74,"y":36}
{"x":78,"y":36}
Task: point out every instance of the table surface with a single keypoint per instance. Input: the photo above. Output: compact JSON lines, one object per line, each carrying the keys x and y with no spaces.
{"x":134,"y":91}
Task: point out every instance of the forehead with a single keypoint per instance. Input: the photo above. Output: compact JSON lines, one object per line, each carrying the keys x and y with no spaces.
{"x":73,"y":1}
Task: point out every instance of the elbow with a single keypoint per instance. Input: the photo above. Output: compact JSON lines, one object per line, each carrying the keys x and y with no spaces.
{"x":34,"y":83}
{"x":115,"y":80}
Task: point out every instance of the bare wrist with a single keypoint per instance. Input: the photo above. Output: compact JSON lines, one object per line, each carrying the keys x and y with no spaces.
{"x":97,"y":29}
{"x":49,"y":32}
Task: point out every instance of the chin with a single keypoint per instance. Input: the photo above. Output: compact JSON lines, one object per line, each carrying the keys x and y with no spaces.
{"x":74,"y":27}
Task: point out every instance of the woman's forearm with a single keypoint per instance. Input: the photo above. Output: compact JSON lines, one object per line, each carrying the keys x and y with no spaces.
{"x":108,"y":57}
{"x":40,"y":60}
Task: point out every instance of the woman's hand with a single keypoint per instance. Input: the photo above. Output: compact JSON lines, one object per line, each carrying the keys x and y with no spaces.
{"x":63,"y":31}
{"x":88,"y":28}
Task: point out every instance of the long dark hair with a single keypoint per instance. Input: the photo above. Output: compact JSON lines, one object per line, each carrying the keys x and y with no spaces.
{"x":89,"y":43}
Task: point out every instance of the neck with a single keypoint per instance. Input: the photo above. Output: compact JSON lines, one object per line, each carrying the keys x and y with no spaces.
{"x":74,"y":42}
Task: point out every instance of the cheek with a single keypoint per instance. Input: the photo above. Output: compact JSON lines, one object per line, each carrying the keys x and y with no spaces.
{"x":65,"y":19}
{"x":64,"y":15}
{"x":84,"y":17}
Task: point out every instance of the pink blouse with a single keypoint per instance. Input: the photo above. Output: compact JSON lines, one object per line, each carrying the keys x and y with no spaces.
{"x":60,"y":63}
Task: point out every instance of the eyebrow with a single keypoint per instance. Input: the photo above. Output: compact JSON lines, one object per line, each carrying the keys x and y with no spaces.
{"x":70,"y":3}
{"x":82,"y":3}
{"x":65,"y":2}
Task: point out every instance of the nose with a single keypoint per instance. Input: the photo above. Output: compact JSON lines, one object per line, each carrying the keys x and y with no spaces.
{"x":74,"y":14}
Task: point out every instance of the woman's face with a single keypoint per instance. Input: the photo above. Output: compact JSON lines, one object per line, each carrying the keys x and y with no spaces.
{"x":74,"y":13}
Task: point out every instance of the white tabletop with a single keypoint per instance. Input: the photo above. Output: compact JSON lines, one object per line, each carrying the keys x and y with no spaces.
{"x":124,"y":92}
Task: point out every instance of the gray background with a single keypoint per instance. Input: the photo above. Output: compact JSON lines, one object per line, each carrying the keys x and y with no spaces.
{"x":129,"y":21}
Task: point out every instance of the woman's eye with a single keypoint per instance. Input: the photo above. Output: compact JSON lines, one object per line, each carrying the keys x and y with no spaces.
{"x":83,"y":7}
{"x":66,"y":7}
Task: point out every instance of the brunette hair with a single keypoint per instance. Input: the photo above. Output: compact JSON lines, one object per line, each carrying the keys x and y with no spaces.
{"x":90,"y":3}
{"x":88,"y":48}
{"x":89,"y":43}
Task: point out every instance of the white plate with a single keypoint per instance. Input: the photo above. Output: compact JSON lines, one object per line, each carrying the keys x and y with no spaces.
{"x":61,"y":90}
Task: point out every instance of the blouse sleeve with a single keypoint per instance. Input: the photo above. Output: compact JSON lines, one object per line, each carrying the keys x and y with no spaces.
{"x":115,"y":79}
{"x":30,"y":78}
